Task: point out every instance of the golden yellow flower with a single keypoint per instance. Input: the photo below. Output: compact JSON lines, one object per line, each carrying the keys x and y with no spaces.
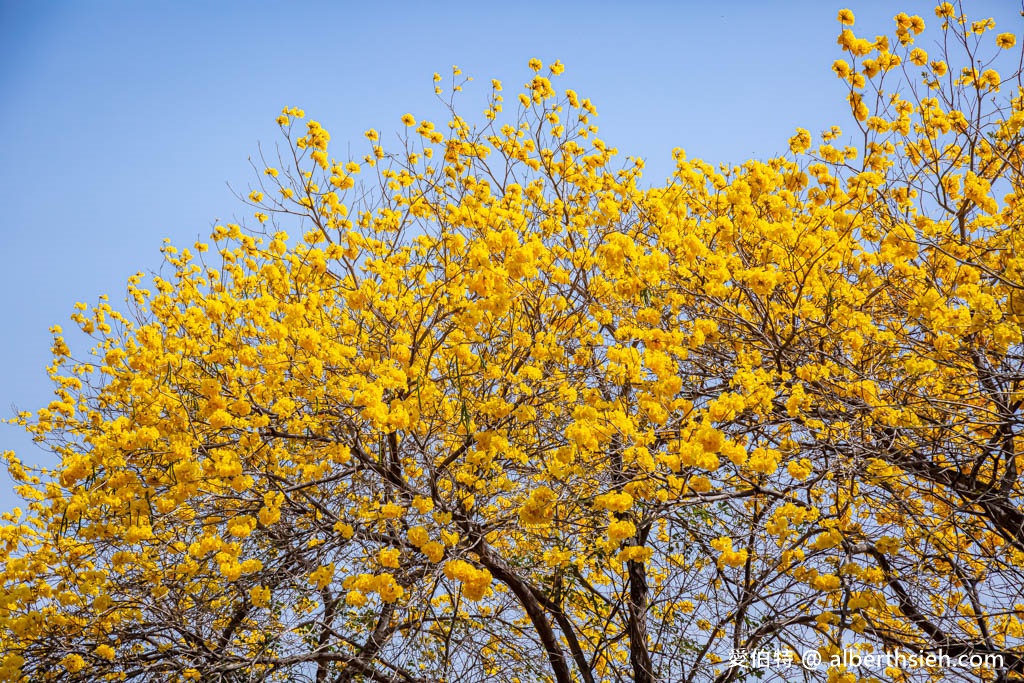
{"x":73,"y":663}
{"x":389,"y":557}
{"x":991,"y":78}
{"x":801,"y":142}
{"x":260,"y":596}
{"x":355,"y":598}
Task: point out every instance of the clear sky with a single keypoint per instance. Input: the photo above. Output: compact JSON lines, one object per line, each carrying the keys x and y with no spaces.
{"x":126,"y":122}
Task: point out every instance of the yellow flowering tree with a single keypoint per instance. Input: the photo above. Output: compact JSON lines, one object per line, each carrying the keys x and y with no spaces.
{"x":489,"y":408}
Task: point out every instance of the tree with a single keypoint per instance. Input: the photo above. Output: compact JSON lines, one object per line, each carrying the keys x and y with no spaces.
{"x":500,"y":412}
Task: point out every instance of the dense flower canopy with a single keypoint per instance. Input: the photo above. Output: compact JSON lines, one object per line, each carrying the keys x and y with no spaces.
{"x":488,"y":407}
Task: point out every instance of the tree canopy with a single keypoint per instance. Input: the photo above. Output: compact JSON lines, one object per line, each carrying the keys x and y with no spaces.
{"x":486,"y":406}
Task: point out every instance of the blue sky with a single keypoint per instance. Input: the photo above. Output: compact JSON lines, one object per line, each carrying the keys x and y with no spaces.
{"x":126,"y":122}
